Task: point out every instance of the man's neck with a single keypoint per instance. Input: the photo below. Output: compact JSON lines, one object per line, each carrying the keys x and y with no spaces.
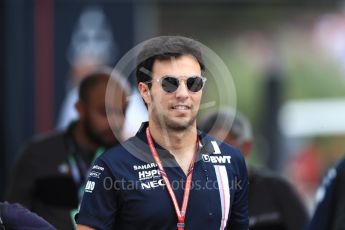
{"x":82,"y":140}
{"x":181,"y":144}
{"x":174,"y":140}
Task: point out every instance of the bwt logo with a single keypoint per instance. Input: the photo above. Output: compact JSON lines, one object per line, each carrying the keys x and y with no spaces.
{"x":216,"y":159}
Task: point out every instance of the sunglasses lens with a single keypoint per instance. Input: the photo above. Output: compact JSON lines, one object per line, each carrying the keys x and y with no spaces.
{"x":170,"y":84}
{"x":195,"y":84}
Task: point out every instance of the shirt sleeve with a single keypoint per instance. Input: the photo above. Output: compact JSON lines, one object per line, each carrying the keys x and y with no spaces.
{"x":239,"y":219}
{"x":100,"y":202}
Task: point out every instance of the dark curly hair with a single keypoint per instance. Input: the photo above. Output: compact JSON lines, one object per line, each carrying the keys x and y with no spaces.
{"x":163,"y":48}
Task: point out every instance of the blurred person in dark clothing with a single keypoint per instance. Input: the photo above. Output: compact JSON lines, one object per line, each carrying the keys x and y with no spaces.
{"x":273,"y":202}
{"x":49,"y":176}
{"x":15,"y":217}
{"x":330,"y":210}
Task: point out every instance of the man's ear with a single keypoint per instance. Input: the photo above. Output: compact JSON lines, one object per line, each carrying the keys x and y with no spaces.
{"x":144,"y":92}
{"x":80,"y":107}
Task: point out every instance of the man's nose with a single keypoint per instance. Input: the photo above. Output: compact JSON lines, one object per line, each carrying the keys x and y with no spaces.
{"x":182,"y":90}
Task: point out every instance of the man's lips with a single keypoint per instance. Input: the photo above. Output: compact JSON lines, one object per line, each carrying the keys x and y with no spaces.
{"x":180,"y":107}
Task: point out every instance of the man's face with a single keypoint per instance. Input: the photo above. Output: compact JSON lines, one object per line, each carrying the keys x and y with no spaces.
{"x":96,"y":122}
{"x":176,"y":110}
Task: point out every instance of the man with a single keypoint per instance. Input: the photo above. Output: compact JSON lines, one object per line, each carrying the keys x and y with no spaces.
{"x":273,"y":203}
{"x":163,"y":177}
{"x":330,"y":210}
{"x":50,"y":172}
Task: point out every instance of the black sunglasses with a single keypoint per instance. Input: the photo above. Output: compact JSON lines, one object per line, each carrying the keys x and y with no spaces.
{"x":171,"y":83}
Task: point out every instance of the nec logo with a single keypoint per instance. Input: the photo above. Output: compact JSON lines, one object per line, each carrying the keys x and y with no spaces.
{"x":216,"y":159}
{"x":152,"y":184}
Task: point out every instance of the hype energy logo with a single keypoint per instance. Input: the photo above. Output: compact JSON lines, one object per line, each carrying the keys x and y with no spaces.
{"x":216,"y":159}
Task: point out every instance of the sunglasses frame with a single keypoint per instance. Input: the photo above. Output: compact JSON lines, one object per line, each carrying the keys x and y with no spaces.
{"x":160,"y":80}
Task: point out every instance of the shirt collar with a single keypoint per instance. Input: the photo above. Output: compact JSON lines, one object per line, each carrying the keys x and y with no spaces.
{"x":205,"y":141}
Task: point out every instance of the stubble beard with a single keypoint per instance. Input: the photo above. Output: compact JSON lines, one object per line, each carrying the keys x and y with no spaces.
{"x":166,"y":123}
{"x":96,"y":138}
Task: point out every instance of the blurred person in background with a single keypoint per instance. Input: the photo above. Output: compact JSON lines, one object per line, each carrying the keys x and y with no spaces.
{"x":330,"y":210}
{"x":15,"y":217}
{"x":50,"y":173}
{"x":273,"y":202}
{"x":304,"y":169}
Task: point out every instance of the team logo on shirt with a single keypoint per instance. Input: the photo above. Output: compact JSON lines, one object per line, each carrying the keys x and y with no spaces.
{"x":216,"y":159}
{"x":152,"y":184}
{"x":145,"y":166}
{"x":149,"y":176}
{"x":90,"y":186}
{"x":97,"y":167}
{"x":94,"y":174}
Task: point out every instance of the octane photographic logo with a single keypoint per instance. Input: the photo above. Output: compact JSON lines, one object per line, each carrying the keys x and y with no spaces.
{"x":219,"y":89}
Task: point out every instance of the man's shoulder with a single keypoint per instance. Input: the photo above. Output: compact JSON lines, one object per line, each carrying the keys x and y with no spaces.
{"x":217,"y":145}
{"x":265,"y":175}
{"x":124,"y":152}
{"x":48,"y":142}
{"x":224,"y":154}
{"x":122,"y":158}
{"x":48,"y":138}
{"x":268,"y":178}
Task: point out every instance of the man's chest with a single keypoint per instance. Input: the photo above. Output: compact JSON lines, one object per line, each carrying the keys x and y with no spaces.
{"x":145,"y":196}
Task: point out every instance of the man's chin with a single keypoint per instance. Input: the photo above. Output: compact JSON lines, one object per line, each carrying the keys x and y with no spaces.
{"x":180,"y":125}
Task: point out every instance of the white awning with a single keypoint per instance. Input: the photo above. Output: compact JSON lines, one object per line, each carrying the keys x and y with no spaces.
{"x":313,"y":118}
